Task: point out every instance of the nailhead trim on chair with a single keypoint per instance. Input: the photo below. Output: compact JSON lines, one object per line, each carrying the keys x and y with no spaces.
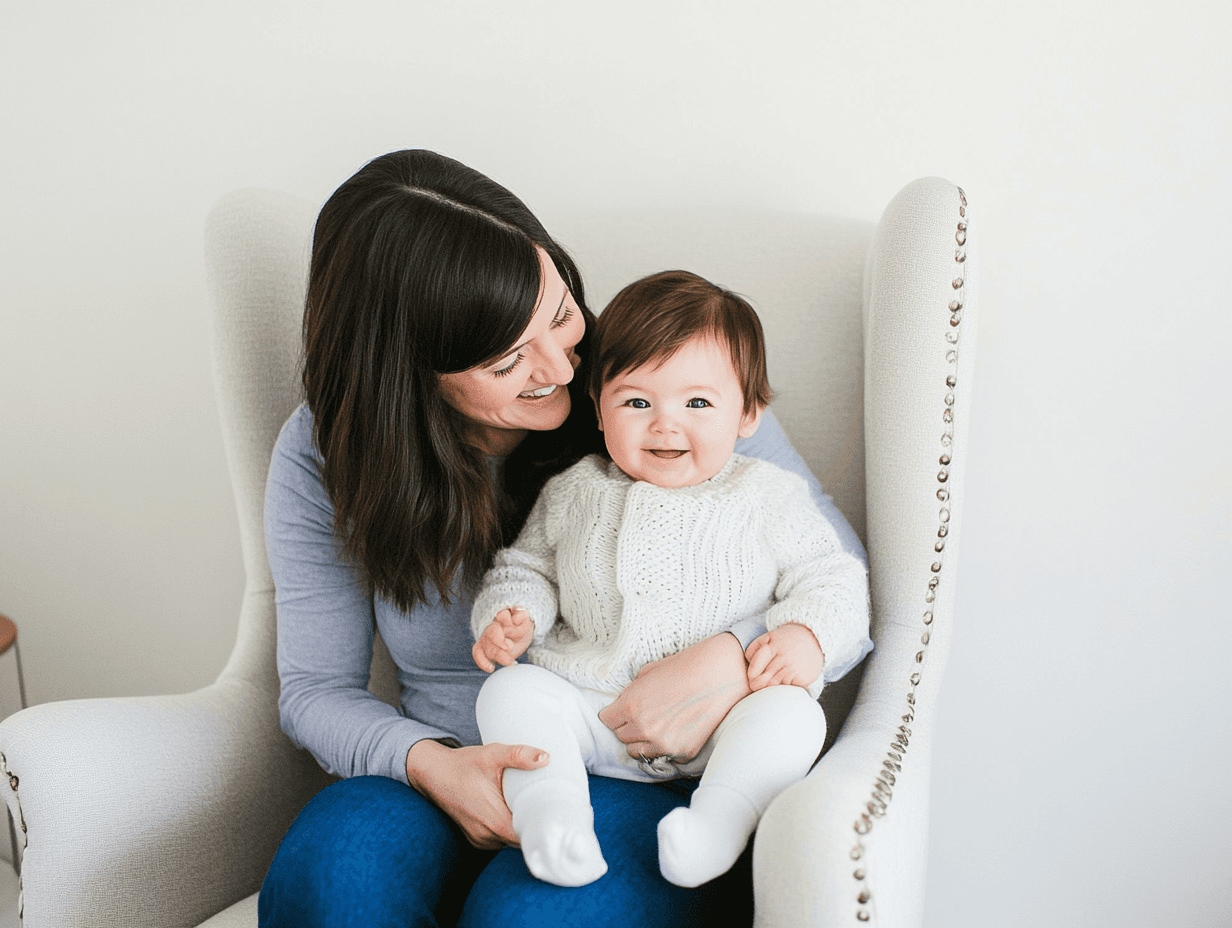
{"x":882,"y":792}
{"x":20,"y":821}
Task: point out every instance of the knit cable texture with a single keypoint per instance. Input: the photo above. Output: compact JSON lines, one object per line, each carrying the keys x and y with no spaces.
{"x":616,"y":573}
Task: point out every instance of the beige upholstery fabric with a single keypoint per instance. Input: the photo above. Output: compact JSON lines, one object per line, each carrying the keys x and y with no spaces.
{"x":180,"y":810}
{"x":855,"y":831}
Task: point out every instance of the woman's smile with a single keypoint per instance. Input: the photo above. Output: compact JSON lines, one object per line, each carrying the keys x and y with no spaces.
{"x":538,"y":394}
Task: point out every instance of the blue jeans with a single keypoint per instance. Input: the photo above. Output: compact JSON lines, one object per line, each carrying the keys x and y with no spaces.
{"x":372,"y":852}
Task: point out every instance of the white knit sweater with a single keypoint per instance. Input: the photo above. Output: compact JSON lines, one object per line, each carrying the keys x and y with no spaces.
{"x":616,"y":573}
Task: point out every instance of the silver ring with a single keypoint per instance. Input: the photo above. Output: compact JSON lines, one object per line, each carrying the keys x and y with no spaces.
{"x":661,"y":765}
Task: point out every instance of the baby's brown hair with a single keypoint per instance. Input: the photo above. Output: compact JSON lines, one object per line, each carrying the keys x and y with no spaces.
{"x":652,"y":318}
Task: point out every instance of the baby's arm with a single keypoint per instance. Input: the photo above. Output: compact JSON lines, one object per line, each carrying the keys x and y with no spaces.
{"x":821,"y":587}
{"x":521,"y":582}
{"x":789,"y":655}
{"x":505,"y":640}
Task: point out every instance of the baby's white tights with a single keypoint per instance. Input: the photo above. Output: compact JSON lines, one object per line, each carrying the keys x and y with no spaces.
{"x":768,"y":741}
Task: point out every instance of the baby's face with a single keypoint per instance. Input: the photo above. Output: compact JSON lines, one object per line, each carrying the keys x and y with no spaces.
{"x":675,"y":423}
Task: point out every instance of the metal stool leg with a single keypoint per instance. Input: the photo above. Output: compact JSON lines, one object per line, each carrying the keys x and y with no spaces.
{"x":21,"y":678}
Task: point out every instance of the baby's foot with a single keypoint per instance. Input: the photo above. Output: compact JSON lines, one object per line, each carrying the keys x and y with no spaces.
{"x":557,"y":832}
{"x":701,"y":842}
{"x":562,"y":854}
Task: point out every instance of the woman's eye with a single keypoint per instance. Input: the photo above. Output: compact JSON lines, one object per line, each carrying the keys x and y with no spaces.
{"x":508,"y":369}
{"x":697,"y":403}
{"x":563,"y":318}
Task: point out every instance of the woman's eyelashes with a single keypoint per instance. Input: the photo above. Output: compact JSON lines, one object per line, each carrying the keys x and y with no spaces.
{"x":563,"y":319}
{"x":508,"y":369}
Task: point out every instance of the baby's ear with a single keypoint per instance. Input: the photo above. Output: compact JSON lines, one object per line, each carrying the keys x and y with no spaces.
{"x":750,"y":421}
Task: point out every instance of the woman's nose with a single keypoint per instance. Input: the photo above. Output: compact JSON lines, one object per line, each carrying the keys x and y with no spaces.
{"x":556,"y":365}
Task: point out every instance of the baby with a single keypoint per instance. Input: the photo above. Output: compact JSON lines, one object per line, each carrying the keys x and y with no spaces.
{"x":624,"y":562}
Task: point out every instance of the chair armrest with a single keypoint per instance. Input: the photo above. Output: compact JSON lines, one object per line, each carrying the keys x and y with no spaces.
{"x":814,"y":862}
{"x":849,"y":843}
{"x":150,"y":811}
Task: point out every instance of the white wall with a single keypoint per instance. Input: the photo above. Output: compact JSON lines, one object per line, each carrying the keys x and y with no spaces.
{"x":1085,"y":728}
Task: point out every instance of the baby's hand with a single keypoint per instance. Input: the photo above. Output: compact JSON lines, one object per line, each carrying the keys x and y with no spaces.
{"x":788,"y":655}
{"x":505,"y":640}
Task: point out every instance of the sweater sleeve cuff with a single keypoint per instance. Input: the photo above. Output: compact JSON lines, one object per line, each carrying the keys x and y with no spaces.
{"x":411,"y":735}
{"x":836,"y":670}
{"x":746,"y":630}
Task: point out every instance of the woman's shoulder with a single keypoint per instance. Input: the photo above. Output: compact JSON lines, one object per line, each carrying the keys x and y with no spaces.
{"x":295,"y":467}
{"x":296,"y":444}
{"x":295,"y":436}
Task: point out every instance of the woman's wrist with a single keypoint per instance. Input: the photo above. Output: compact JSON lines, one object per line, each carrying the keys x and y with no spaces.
{"x":422,"y":757}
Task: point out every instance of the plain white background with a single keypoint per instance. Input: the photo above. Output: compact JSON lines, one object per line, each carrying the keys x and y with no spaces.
{"x":1086,"y":721}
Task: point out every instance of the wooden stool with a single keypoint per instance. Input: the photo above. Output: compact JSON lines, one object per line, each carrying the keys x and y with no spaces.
{"x":8,"y":639}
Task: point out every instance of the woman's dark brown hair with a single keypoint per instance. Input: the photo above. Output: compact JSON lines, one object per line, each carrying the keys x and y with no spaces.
{"x":422,"y":266}
{"x":650,"y":319}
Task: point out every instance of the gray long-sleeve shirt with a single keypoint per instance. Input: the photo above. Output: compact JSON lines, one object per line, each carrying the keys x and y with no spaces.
{"x":326,"y":614}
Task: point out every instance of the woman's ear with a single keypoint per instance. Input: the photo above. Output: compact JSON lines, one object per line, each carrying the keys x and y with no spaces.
{"x":750,"y":421}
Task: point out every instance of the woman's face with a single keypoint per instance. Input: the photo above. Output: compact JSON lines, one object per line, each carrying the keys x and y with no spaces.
{"x":524,"y":389}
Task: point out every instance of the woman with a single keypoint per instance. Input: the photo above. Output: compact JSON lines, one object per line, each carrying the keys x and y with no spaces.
{"x":444,"y":330}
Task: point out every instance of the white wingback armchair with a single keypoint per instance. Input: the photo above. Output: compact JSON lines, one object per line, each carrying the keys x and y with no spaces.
{"x":166,"y":811}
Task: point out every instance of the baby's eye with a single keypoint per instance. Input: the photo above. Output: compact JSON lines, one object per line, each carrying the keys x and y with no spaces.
{"x":697,"y":403}
{"x":638,"y":403}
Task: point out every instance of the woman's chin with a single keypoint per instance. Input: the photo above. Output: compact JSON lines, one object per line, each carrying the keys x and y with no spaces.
{"x":550,"y":412}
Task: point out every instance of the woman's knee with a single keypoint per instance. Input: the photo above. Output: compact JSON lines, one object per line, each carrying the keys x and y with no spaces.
{"x":364,"y":851}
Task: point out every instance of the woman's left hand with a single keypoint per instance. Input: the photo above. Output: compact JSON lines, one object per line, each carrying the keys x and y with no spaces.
{"x":675,"y":704}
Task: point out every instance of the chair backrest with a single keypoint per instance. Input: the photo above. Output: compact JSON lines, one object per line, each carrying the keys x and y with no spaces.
{"x":804,"y":274}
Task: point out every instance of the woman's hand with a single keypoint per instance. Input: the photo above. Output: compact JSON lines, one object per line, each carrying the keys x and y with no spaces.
{"x":505,"y":640}
{"x":788,"y":655}
{"x":675,"y":704}
{"x":465,"y":783}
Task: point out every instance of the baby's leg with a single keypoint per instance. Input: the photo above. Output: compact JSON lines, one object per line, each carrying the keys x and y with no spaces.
{"x":525,"y":704}
{"x":768,"y":741}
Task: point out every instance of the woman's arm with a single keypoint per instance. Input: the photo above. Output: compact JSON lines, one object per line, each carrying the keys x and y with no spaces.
{"x":325,"y":626}
{"x":325,"y":632}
